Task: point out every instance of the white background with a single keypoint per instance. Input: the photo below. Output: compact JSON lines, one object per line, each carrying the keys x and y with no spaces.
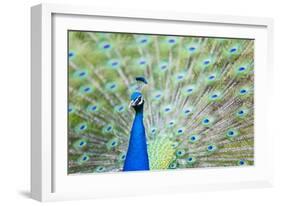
{"x":15,"y":95}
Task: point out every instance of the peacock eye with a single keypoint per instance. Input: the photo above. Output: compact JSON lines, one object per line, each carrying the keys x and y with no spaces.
{"x":143,"y":40}
{"x":206,"y":62}
{"x":231,"y":133}
{"x":171,"y":123}
{"x":174,"y":144}
{"x":243,"y":91}
{"x":122,"y":156}
{"x":171,"y":40}
{"x":180,"y":77}
{"x":158,"y":96}
{"x":108,"y":128}
{"x":86,"y":89}
{"x":241,"y":69}
{"x":140,"y":100}
{"x":106,"y":46}
{"x":206,"y":121}
{"x":211,"y":148}
{"x":163,"y":66}
{"x":112,"y":143}
{"x":142,"y":62}
{"x":71,"y":109}
{"x":189,"y":90}
{"x":190,"y":160}
{"x":80,"y":144}
{"x":82,"y":74}
{"x":180,"y":153}
{"x":214,"y":96}
{"x":211,"y":78}
{"x":81,"y":127}
{"x":173,"y":165}
{"x":242,"y":113}
{"x":193,"y":138}
{"x":120,"y":108}
{"x":100,"y":169}
{"x":167,"y":109}
{"x":71,"y":54}
{"x":241,"y":162}
{"x":232,"y":50}
{"x":113,"y":63}
{"x":192,"y":49}
{"x":153,"y":130}
{"x":92,"y":108}
{"x":83,"y":158}
{"x":111,"y":86}
{"x":180,"y":131}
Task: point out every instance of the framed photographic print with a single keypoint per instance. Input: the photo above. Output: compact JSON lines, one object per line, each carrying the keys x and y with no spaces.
{"x":133,"y":102}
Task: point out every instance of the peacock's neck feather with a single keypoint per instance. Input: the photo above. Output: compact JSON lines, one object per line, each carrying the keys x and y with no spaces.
{"x":137,"y":156}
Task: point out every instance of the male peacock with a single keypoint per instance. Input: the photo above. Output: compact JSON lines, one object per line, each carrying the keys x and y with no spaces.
{"x":197,"y":109}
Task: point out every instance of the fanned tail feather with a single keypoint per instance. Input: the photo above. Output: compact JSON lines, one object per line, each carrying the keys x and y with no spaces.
{"x":198,"y":105}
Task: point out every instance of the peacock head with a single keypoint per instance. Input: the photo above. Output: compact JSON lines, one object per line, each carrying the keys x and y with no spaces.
{"x":137,"y":101}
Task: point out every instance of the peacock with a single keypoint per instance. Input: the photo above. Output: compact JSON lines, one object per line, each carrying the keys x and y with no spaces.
{"x":139,"y":102}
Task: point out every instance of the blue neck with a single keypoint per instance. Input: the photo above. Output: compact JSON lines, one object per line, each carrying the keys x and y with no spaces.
{"x":137,"y":157}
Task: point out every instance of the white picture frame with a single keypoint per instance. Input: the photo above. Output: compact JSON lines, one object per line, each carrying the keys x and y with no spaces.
{"x":49,"y":181}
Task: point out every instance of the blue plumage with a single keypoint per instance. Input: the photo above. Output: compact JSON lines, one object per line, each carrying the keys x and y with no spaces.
{"x":137,"y":157}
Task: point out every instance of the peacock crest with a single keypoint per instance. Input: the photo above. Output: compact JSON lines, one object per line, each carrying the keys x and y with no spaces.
{"x":195,"y":95}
